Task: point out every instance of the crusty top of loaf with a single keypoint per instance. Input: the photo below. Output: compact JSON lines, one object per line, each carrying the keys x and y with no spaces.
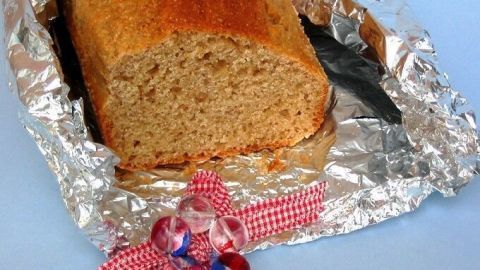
{"x":124,"y":27}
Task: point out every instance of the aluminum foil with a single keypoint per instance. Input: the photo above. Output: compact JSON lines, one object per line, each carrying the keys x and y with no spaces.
{"x":396,"y":131}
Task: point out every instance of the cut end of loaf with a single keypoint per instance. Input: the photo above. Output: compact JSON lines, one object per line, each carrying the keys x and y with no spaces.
{"x":196,"y":96}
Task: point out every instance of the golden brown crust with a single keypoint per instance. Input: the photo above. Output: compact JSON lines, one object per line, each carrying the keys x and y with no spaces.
{"x":95,"y":85}
{"x":104,"y":32}
{"x":124,"y":27}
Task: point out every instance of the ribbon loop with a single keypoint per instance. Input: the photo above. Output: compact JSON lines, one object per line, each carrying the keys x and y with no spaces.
{"x":209,"y":185}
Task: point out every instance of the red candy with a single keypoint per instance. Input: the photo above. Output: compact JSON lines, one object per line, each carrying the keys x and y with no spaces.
{"x":230,"y":261}
{"x":171,"y":235}
{"x":228,"y":234}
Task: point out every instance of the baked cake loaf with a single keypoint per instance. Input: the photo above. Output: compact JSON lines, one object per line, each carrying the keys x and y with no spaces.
{"x":186,"y":80}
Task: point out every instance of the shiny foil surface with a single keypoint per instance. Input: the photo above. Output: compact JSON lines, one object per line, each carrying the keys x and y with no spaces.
{"x":396,"y":131}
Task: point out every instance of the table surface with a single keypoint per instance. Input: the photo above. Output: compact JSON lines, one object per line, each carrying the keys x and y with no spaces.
{"x":36,"y":231}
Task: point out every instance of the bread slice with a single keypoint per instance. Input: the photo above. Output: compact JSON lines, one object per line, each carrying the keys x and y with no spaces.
{"x":186,"y":80}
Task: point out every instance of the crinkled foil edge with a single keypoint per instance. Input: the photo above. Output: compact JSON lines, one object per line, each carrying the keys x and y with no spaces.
{"x":438,"y":126}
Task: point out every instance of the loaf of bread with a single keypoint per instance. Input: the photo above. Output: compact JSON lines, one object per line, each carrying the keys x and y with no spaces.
{"x":186,"y":80}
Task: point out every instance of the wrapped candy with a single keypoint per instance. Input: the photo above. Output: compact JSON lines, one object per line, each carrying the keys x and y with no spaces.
{"x":171,"y":235}
{"x":197,"y":212}
{"x":228,"y":234}
{"x":230,"y":261}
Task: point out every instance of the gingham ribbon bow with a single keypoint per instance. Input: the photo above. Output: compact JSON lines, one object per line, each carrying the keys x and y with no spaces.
{"x":262,"y":219}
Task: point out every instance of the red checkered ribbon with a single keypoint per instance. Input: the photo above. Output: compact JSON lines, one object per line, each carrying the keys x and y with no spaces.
{"x":262,"y":219}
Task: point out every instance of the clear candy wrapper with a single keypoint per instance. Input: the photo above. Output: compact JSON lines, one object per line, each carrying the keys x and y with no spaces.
{"x":396,"y":131}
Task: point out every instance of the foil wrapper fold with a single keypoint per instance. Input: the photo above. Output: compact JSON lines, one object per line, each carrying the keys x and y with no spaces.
{"x":396,"y":131}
